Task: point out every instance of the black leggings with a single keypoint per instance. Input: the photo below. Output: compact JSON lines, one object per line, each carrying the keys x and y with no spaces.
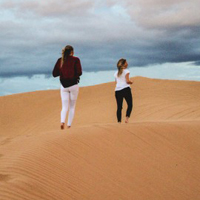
{"x":124,"y":93}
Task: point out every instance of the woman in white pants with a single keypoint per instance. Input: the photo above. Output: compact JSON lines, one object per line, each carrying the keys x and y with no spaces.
{"x":69,"y":69}
{"x":68,"y":96}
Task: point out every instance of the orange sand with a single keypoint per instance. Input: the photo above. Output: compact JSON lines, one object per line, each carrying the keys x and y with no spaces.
{"x":154,"y":157}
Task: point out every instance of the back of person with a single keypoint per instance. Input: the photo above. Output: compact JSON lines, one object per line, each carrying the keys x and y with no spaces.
{"x":68,"y":68}
{"x":123,"y":89}
{"x":121,"y":80}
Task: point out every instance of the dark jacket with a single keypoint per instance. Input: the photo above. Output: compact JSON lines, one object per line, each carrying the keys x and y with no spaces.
{"x":70,"y":71}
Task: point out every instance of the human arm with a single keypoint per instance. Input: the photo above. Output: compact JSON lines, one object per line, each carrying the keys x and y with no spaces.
{"x":128,"y":81}
{"x":78,"y":68}
{"x":56,"y":71}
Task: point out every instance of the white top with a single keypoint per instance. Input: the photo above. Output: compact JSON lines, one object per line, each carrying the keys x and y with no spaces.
{"x":121,"y":80}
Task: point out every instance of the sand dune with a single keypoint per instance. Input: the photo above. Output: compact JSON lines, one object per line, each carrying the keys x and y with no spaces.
{"x":155,"y":156}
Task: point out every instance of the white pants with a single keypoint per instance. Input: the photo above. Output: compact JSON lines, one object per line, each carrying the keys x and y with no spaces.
{"x":68,"y":96}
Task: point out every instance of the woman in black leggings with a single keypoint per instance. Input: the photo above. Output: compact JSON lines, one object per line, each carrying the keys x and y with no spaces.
{"x":123,"y":89}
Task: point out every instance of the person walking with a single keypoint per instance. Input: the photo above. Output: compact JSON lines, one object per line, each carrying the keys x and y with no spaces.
{"x":69,"y":69}
{"x":123,"y":89}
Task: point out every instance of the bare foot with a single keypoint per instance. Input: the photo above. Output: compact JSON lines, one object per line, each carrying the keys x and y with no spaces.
{"x":62,"y":126}
{"x":126,"y":121}
{"x":68,"y":126}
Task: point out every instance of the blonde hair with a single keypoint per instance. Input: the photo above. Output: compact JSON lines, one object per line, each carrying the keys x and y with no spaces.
{"x":66,"y":52}
{"x":120,"y":66}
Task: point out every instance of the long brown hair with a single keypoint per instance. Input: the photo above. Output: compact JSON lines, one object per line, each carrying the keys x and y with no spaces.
{"x":120,"y":66}
{"x":65,"y":53}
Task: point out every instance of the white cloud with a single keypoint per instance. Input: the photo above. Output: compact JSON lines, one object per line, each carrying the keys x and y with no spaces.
{"x":161,"y":13}
{"x":48,"y":8}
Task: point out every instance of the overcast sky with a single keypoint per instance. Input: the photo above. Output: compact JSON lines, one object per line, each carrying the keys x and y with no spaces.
{"x":145,"y":32}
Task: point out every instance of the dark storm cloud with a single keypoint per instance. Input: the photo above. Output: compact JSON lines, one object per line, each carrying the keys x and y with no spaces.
{"x":197,"y":63}
{"x":34,"y":32}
